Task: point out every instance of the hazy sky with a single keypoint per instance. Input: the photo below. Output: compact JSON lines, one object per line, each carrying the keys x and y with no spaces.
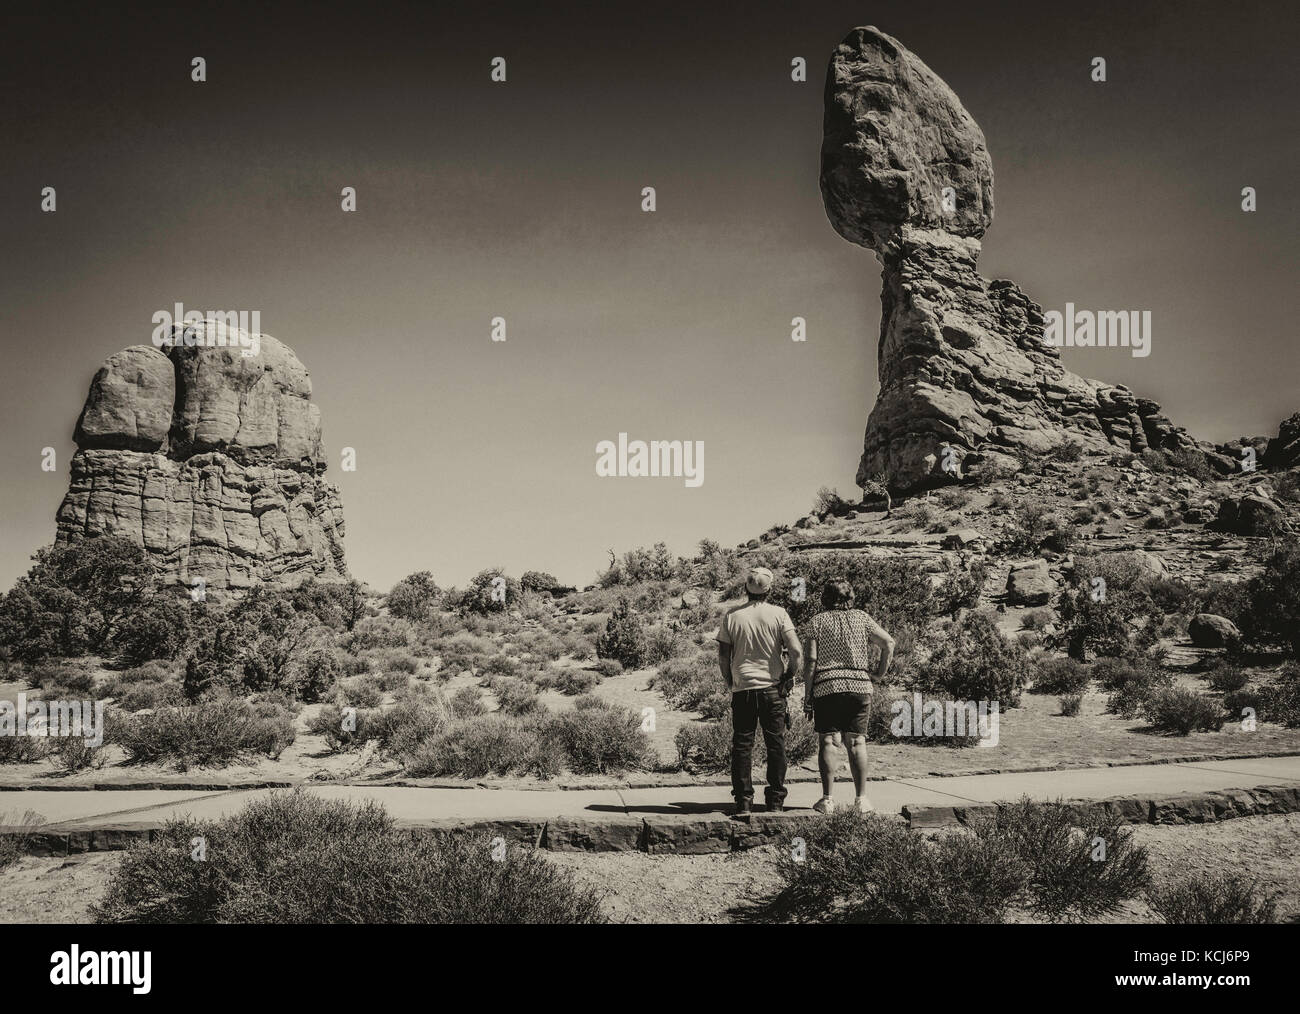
{"x":522,"y":200}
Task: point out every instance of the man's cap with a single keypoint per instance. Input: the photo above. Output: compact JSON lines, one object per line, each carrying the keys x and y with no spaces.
{"x":758,"y":581}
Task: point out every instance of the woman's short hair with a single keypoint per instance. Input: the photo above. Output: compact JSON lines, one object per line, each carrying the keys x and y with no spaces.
{"x":837,"y":595}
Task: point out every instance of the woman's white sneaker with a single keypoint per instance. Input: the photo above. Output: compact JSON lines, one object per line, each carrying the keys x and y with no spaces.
{"x":862,"y":804}
{"x":824,"y":805}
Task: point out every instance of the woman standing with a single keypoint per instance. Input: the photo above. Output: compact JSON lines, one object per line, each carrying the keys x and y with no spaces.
{"x":837,"y":685}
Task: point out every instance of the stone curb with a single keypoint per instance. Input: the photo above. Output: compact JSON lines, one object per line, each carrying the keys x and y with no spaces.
{"x":691,"y":834}
{"x":1178,"y":808}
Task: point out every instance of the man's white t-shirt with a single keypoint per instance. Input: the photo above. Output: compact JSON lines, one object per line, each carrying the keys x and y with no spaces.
{"x":755,"y":632}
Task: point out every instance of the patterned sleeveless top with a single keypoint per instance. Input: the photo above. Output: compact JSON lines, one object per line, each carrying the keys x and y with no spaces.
{"x":844,"y":653}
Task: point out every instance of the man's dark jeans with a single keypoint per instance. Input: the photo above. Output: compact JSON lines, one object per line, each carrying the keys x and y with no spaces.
{"x":751,"y":708}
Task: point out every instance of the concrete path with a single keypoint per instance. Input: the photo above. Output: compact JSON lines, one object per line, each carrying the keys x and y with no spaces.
{"x":124,"y":807}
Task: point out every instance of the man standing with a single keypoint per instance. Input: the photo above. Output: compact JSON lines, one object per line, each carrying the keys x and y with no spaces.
{"x":749,"y":654}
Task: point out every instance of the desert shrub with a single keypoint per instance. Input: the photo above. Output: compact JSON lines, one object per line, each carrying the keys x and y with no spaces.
{"x":971,"y":660}
{"x":143,"y":694}
{"x":467,"y":702}
{"x":501,"y":667}
{"x":1237,"y":702}
{"x":572,"y":682}
{"x":1280,"y":699}
{"x":1172,"y":596}
{"x":1155,"y":460}
{"x":716,"y":568}
{"x":1226,"y":678}
{"x":490,"y":591}
{"x":694,"y":683}
{"x":663,"y":643}
{"x":579,"y":647}
{"x":600,"y":739}
{"x":1193,"y":463}
{"x":1069,"y":451}
{"x":1230,"y":599}
{"x":213,"y":733}
{"x":828,"y":501}
{"x":391,"y":680}
{"x":961,"y":587}
{"x":73,"y":754}
{"x":412,"y":720}
{"x":24,"y":749}
{"x":1183,"y":711}
{"x":896,"y":592}
{"x":1274,"y":594}
{"x":295,"y":858}
{"x":1060,"y":676}
{"x":1058,"y":845}
{"x":624,"y":639}
{"x":22,"y":828}
{"x":61,"y":681}
{"x":375,"y":632}
{"x":654,"y":564}
{"x":922,"y":515}
{"x":317,"y":672}
{"x":1105,"y":598}
{"x":856,"y":869}
{"x":329,"y":723}
{"x":486,"y":745}
{"x":1037,"y":619}
{"x":1213,"y":899}
{"x":415,"y":597}
{"x":355,"y":665}
{"x":609,"y":667}
{"x":1029,"y":528}
{"x":1133,"y":684}
{"x":1070,"y":705}
{"x":516,"y":696}
{"x":706,"y":746}
{"x":703,"y":746}
{"x":364,"y":692}
{"x":539,"y":581}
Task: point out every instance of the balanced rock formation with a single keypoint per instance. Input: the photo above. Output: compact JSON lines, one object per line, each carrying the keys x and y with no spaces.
{"x":967,"y":380}
{"x":207,"y":453}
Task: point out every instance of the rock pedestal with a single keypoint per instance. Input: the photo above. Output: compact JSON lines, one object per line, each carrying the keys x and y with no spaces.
{"x":209,"y":458}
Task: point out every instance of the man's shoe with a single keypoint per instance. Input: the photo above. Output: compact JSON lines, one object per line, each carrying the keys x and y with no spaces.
{"x":862,"y":804}
{"x":824,"y":805}
{"x":741,"y":808}
{"x":776,"y":808}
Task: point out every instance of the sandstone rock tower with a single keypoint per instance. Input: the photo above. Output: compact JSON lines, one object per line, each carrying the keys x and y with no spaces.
{"x":209,"y":458}
{"x":962,"y":360}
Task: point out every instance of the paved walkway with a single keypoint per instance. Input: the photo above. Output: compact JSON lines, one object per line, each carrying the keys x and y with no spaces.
{"x":119,"y":807}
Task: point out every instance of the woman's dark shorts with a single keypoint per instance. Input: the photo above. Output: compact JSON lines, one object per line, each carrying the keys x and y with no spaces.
{"x":841,"y":713}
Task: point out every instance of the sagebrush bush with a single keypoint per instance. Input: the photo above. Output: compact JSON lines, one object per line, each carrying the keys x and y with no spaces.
{"x":1281,"y":698}
{"x":212,"y":733}
{"x":609,"y":667}
{"x":1060,"y":847}
{"x":294,"y":858}
{"x":1132,"y":685}
{"x":516,"y":696}
{"x":1227,"y":678}
{"x":467,"y":702}
{"x":492,"y":744}
{"x":1216,"y":899}
{"x":694,"y":683}
{"x":572,"y":682}
{"x":1070,"y":705}
{"x":22,"y":827}
{"x":599,"y":738}
{"x":870,"y":869}
{"x":1060,"y":676}
{"x":1183,"y":711}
